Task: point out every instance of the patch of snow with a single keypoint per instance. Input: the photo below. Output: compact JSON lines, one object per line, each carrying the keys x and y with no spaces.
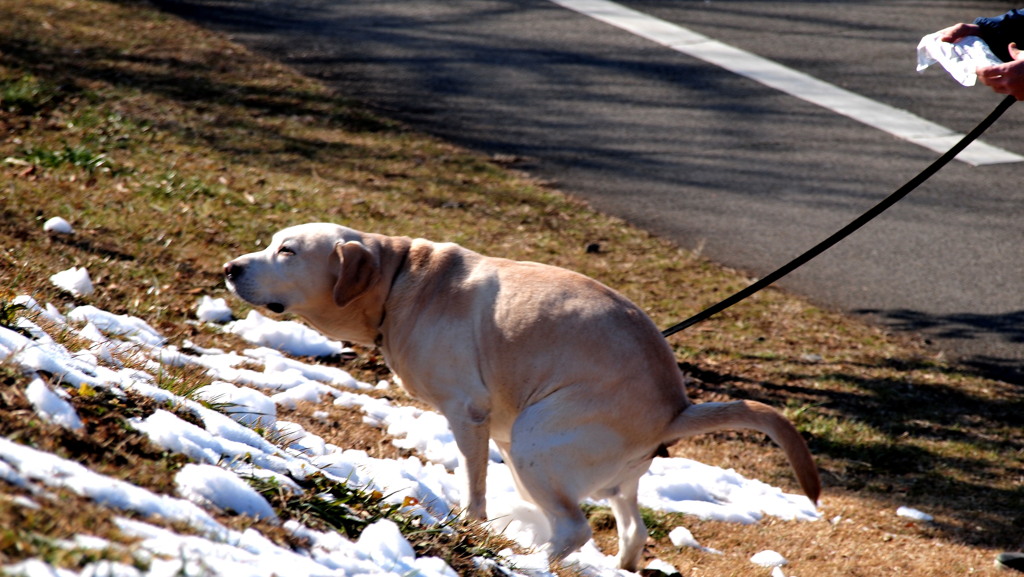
{"x":244,"y":404}
{"x":37,"y":568}
{"x":659,"y":565}
{"x":914,"y":514}
{"x":768,"y":558}
{"x":682,"y":537}
{"x":711,"y":493}
{"x":210,"y":485}
{"x":211,"y":310}
{"x":74,"y":280}
{"x":287,"y":336}
{"x":50,"y":406}
{"x":53,"y":471}
{"x":134,"y":328}
{"x":58,"y":225}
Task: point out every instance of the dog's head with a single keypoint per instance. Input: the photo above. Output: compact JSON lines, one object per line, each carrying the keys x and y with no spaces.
{"x":330,"y":275}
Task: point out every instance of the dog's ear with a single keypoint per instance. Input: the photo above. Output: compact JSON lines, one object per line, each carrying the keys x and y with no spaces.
{"x":359,"y":271}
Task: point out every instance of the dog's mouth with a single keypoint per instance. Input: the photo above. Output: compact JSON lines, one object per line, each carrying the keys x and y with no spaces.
{"x":274,"y":307}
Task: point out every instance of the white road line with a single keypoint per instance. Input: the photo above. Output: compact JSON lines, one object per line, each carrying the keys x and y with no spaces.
{"x":894,"y":121}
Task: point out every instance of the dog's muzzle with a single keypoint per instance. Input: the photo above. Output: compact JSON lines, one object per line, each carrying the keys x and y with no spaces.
{"x":234,"y":271}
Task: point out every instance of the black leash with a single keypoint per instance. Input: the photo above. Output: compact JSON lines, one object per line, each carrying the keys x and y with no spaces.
{"x":850,"y":228}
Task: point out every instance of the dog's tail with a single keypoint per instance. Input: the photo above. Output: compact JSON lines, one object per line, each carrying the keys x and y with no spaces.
{"x":703,"y":418}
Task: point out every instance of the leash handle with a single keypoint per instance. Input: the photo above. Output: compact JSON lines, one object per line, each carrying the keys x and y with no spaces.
{"x":850,"y":228}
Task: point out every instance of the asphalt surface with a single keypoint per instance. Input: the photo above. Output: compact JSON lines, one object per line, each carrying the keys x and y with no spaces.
{"x":717,"y":162}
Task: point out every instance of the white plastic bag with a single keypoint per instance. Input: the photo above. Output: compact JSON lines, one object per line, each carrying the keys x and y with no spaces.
{"x":960,"y":59}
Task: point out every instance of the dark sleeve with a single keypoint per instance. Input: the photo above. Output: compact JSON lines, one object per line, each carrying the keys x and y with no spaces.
{"x":998,"y":32}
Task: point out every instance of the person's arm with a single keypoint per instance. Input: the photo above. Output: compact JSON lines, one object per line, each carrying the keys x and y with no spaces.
{"x":1000,"y":31}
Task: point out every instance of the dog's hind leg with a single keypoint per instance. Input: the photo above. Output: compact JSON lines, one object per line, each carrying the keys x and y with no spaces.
{"x":559,"y":503}
{"x":569,"y":532}
{"x":556,"y":466}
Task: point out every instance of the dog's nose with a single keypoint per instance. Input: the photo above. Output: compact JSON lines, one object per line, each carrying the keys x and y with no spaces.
{"x":233,"y":270}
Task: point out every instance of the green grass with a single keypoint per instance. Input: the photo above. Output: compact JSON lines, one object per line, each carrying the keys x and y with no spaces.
{"x":74,"y":156}
{"x":10,"y":312}
{"x":27,"y":95}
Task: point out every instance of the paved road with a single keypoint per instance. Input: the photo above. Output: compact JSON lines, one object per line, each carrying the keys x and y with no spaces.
{"x":698,"y":153}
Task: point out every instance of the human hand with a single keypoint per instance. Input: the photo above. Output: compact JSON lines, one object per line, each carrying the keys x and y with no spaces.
{"x":958,"y":31}
{"x":1006,"y":78}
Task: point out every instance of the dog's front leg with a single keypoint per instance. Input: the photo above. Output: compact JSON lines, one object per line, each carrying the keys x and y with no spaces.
{"x":471,"y":425}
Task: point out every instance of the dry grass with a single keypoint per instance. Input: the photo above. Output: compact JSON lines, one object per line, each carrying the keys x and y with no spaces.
{"x":168,"y":161}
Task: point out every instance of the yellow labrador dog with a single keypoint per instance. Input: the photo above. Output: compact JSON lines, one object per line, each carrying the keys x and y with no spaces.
{"x":574,"y":383}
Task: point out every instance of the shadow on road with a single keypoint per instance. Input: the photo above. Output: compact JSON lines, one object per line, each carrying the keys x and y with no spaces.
{"x":1007,"y":328}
